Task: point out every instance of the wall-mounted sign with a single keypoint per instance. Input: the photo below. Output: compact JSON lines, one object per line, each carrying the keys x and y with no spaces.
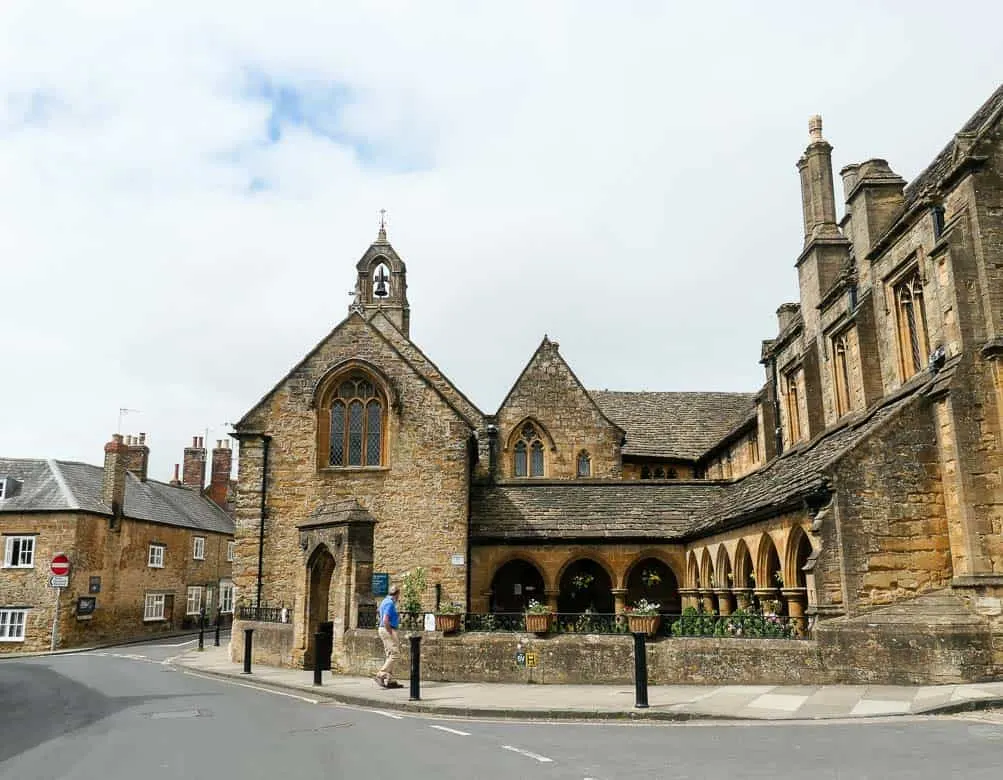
{"x":530,"y":659}
{"x":520,"y":659}
{"x":86,"y":606}
{"x":457,"y":559}
{"x":95,"y":585}
{"x":381,"y":583}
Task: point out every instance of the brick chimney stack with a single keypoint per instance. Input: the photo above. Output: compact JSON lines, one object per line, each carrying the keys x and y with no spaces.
{"x":219,"y":480}
{"x":193,"y":471}
{"x":116,"y":453}
{"x":137,"y":458}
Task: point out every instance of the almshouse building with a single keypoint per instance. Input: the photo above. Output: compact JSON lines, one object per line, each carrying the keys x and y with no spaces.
{"x":145,"y":557}
{"x":864,"y":474}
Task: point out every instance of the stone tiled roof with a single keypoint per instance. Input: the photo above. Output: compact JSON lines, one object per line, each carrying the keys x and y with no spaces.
{"x":595,"y":510}
{"x":944,"y":161}
{"x":665,"y":510}
{"x":673,"y":425}
{"x":60,"y":486}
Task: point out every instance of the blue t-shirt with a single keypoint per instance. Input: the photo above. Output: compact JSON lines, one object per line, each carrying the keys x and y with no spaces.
{"x":387,"y":607}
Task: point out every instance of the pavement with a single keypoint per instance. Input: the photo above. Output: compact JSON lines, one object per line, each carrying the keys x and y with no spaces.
{"x":605,"y":702}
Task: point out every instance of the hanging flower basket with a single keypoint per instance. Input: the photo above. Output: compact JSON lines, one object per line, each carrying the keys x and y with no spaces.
{"x":448,"y":623}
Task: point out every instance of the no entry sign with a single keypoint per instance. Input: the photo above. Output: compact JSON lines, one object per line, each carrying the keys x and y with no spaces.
{"x":60,"y":565}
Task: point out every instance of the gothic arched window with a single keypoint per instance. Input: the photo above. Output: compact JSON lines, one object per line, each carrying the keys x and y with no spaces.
{"x":357,"y":424}
{"x":584,"y":464}
{"x":529,"y":460}
{"x":911,"y":325}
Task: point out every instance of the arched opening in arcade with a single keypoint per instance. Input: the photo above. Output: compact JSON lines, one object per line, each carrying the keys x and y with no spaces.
{"x":514,"y":585}
{"x":585,"y":587}
{"x":654,"y":581}
{"x":771,"y":580}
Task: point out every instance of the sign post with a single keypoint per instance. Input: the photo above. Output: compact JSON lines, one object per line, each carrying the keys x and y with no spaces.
{"x":60,"y":568}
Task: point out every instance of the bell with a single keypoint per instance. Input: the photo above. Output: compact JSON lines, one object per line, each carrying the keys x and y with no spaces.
{"x":381,"y":290}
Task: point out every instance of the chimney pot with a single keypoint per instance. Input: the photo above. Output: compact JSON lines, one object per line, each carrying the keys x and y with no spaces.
{"x":142,"y":438}
{"x":815,"y":128}
{"x":195,"y":441}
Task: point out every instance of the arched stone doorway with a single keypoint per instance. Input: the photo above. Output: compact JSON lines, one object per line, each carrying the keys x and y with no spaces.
{"x":514,"y":585}
{"x":653,"y":580}
{"x":320,"y":569}
{"x":585,"y":586}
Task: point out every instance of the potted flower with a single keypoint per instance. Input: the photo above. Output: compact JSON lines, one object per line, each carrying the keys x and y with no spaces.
{"x":447,"y":618}
{"x":538,"y":617}
{"x":644,"y":618}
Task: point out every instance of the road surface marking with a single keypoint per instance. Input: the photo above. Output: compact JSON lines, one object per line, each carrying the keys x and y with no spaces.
{"x":452,"y":731}
{"x":521,"y":752}
{"x":179,"y":644}
{"x":253,"y":687}
{"x":387,"y":714}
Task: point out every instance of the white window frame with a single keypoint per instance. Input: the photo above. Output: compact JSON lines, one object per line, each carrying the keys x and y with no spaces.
{"x":153,"y":607}
{"x":231,"y":549}
{"x":193,"y":600}
{"x":3,"y":488}
{"x":226,"y":597}
{"x":156,"y":556}
{"x":198,"y":548}
{"x":13,"y":621}
{"x":25,"y":553}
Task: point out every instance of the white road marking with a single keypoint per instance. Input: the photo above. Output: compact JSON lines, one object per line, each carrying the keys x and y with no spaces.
{"x":521,"y":752}
{"x":253,"y":687}
{"x":179,"y":644}
{"x":452,"y":731}
{"x":387,"y":714}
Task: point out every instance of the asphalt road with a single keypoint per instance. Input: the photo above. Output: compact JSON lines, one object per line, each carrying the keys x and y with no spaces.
{"x":126,"y":713}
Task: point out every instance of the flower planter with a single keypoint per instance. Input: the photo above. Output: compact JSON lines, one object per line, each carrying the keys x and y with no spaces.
{"x":539,"y":623}
{"x":448,"y":624}
{"x":644,"y":624}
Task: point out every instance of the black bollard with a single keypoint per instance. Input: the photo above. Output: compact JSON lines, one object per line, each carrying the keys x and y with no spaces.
{"x":202,"y":629}
{"x":416,"y":668}
{"x":319,"y":642}
{"x":640,"y":672}
{"x":219,"y":619}
{"x":248,"y":641}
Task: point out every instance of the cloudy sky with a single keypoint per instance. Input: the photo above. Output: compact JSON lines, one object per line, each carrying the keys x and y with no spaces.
{"x":186,"y":187}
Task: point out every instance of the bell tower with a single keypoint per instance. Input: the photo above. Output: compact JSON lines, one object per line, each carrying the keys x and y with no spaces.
{"x":382,"y":283}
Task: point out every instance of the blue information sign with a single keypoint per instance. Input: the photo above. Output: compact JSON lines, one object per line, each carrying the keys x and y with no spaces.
{"x":381,"y":584}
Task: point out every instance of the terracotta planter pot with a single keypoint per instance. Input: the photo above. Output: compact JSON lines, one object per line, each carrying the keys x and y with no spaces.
{"x":539,"y":623}
{"x":448,"y":624}
{"x":644,"y":624}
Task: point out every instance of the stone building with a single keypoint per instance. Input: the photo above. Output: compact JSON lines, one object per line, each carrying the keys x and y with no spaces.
{"x":863,"y":475}
{"x":145,"y":556}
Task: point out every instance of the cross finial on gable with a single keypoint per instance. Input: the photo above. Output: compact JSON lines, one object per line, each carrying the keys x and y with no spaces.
{"x":383,"y":226}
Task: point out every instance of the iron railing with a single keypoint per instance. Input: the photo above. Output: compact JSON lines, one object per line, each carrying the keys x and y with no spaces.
{"x":747,"y":625}
{"x":263,"y":614}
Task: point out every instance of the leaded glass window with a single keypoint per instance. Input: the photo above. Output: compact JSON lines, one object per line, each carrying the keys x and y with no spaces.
{"x":584,"y":464}
{"x":520,"y":459}
{"x":537,"y":461}
{"x":356,"y":424}
{"x":911,"y":325}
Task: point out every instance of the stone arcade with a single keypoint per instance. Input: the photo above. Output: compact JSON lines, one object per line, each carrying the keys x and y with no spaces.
{"x":857,"y":491}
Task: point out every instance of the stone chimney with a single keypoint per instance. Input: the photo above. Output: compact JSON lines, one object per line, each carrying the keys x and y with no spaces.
{"x":176,"y":479}
{"x":786,"y":314}
{"x":137,"y":455}
{"x":818,"y":199}
{"x":193,"y":472}
{"x":116,"y":454}
{"x":222,"y":465}
{"x":874,"y":197}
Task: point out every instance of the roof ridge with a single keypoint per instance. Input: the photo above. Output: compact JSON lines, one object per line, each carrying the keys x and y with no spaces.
{"x":64,"y":487}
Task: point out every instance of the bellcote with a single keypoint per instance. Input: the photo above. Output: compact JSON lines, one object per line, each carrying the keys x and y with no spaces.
{"x":382,"y":284}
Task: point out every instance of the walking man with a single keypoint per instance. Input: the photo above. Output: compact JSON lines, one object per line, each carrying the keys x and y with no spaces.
{"x":389,"y":620}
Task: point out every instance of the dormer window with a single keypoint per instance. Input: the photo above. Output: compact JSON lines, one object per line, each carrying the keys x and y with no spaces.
{"x":8,"y":487}
{"x":529,"y":453}
{"x":3,"y":488}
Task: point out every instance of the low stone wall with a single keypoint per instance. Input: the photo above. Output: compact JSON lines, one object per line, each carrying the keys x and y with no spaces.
{"x":852,"y":655}
{"x":271,"y":643}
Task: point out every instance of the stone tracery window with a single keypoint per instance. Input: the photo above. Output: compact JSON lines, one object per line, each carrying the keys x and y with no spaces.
{"x":357,"y":423}
{"x":841,"y":373}
{"x":529,"y":460}
{"x":911,"y":325}
{"x":793,"y":407}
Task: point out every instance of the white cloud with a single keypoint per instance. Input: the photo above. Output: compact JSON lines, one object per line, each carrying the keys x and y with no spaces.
{"x":619,"y":176}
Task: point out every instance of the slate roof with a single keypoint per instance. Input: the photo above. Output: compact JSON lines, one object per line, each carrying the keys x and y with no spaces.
{"x":944,"y":161}
{"x":679,"y":425}
{"x":668,"y":511}
{"x":60,"y":486}
{"x":599,"y":510}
